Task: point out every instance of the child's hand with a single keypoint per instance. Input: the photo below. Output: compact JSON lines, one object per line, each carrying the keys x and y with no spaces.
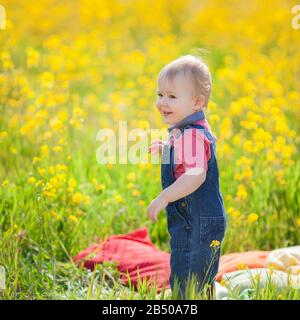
{"x":156,"y":205}
{"x":156,"y":147}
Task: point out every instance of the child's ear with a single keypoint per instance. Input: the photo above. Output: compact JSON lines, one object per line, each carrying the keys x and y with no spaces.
{"x":199,"y":102}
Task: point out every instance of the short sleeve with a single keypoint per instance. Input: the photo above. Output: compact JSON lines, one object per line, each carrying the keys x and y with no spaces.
{"x":192,"y":149}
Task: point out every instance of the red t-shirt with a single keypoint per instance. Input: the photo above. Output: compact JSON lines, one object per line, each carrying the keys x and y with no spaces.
{"x":191,"y":148}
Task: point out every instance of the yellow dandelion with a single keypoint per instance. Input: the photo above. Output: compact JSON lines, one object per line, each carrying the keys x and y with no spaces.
{"x":87,"y":200}
{"x":31,"y":180}
{"x":4,"y":183}
{"x":47,"y":79}
{"x":223,"y":282}
{"x":73,"y":218}
{"x":36,"y":160}
{"x":141,"y":202}
{"x":61,"y":167}
{"x":57,"y":149}
{"x":215,"y":243}
{"x":100,"y":186}
{"x":41,"y":171}
{"x":72,"y":183}
{"x":77,"y":198}
{"x":251,"y":218}
{"x":131,"y":176}
{"x":241,"y":193}
{"x":118,"y":198}
{"x":44,"y":150}
{"x":130,"y":185}
{"x":136,"y":193}
{"x":3,"y":135}
{"x":33,"y":57}
{"x":256,"y":277}
{"x":242,"y":266}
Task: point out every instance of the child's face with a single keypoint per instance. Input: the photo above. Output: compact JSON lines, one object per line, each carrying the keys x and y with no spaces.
{"x":175,"y":99}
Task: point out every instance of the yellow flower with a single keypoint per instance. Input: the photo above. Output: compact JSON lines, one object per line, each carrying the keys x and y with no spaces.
{"x":41,"y":171}
{"x":241,"y":193}
{"x":72,"y":183}
{"x":55,"y":215}
{"x":51,"y":170}
{"x":56,"y":125}
{"x":215,"y":243}
{"x":271,"y":268}
{"x":109,"y":165}
{"x":87,"y":200}
{"x":35,"y":160}
{"x":223,"y":282}
{"x":98,"y":186}
{"x":141,"y":202}
{"x":228,"y":197}
{"x":73,"y":219}
{"x":47,"y":79}
{"x":130,"y":185}
{"x":38,"y":183}
{"x":242,"y":266}
{"x":77,"y":198}
{"x":252,"y":217}
{"x":49,"y":192}
{"x":61,"y":167}
{"x":3,"y":135}
{"x":237,"y":176}
{"x":33,"y":57}
{"x":4,"y":183}
{"x":131,"y":176}
{"x":136,"y":193}
{"x":256,"y":277}
{"x":31,"y":180}
{"x":298,"y":222}
{"x":118,"y":198}
{"x":57,"y":149}
{"x":79,"y":212}
{"x":45,"y":150}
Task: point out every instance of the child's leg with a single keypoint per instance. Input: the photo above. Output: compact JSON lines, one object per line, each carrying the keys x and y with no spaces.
{"x":204,"y":264}
{"x":180,"y":244}
{"x":192,"y":253}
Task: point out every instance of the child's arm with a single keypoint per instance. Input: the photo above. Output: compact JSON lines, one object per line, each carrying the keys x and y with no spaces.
{"x":184,"y":185}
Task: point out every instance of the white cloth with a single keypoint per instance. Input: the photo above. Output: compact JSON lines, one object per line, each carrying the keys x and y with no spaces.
{"x":245,"y":279}
{"x":285,"y":259}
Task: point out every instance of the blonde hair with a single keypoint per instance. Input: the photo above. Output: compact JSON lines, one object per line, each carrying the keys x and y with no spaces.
{"x":195,"y":69}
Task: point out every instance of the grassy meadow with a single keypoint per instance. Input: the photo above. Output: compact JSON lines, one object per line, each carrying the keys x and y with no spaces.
{"x":70,"y":68}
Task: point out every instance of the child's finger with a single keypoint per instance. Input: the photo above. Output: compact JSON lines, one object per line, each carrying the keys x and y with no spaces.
{"x":153,"y":148}
{"x":156,"y":142}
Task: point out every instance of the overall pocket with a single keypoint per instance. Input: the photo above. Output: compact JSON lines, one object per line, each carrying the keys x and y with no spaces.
{"x":178,"y":230}
{"x":211,"y":228}
{"x":181,"y":207}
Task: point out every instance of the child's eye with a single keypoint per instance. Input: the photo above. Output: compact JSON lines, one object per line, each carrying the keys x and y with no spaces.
{"x":171,"y":96}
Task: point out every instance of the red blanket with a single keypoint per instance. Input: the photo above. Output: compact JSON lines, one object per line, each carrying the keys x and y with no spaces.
{"x":139,"y":258}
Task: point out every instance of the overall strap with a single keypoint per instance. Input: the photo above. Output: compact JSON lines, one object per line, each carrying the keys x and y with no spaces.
{"x":198,"y":126}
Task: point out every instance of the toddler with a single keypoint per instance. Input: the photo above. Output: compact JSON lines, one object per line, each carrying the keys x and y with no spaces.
{"x":191,"y":195}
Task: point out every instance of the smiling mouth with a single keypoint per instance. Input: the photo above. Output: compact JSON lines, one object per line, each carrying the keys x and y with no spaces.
{"x":166,"y":113}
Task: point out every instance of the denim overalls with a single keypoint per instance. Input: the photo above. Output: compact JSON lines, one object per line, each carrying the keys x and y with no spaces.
{"x":194,"y":220}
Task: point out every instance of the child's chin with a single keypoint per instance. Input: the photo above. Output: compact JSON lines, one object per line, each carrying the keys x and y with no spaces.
{"x":168,"y":121}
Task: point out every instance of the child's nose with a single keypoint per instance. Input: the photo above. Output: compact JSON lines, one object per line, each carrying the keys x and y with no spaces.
{"x":164,"y":102}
